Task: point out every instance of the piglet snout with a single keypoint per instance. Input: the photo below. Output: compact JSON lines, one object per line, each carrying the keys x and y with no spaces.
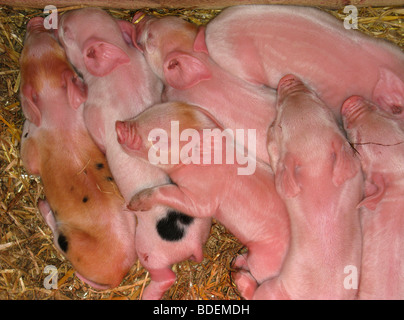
{"x":353,"y":108}
{"x":288,"y":81}
{"x":351,"y":104}
{"x":290,"y":84}
{"x":92,"y":283}
{"x":36,"y":24}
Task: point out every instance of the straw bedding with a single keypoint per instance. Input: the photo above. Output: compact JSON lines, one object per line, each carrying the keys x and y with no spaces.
{"x":26,"y":244}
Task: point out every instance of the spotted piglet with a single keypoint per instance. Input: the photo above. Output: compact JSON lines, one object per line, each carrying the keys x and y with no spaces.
{"x":245,"y":202}
{"x":121,"y":85}
{"x":87,"y":214}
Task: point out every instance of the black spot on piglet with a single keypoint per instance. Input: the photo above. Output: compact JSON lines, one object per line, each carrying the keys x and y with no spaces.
{"x":99,"y":166}
{"x":63,"y":244}
{"x":173,"y":226}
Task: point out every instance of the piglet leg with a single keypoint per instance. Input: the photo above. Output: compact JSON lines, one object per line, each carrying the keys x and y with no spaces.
{"x":272,"y":289}
{"x":245,"y":283}
{"x":168,"y":195}
{"x":161,"y":281}
{"x":262,"y":260}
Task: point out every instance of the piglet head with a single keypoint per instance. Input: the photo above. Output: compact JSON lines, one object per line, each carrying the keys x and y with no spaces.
{"x":85,"y":211}
{"x":48,"y":84}
{"x":372,"y":131}
{"x":168,"y":45}
{"x":94,"y":41}
{"x":378,"y":137}
{"x":100,"y":255}
{"x":169,"y":134}
{"x":50,"y":92}
{"x":289,"y":85}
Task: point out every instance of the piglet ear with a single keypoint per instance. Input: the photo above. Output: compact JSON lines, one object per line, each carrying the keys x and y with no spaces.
{"x":200,"y":43}
{"x":76,"y":89}
{"x":47,"y":215}
{"x":389,"y":91}
{"x":128,"y":32}
{"x":345,"y":165}
{"x":374,"y":191}
{"x":101,"y":58}
{"x":29,"y":100}
{"x":286,"y":181}
{"x":183,"y":71}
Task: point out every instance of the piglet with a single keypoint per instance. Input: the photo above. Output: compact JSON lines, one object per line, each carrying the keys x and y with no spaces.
{"x":261,"y":43}
{"x":319,"y":178}
{"x":203,"y":185}
{"x":88,"y":216}
{"x":191,"y":76}
{"x":379,"y":141}
{"x":121,"y":85}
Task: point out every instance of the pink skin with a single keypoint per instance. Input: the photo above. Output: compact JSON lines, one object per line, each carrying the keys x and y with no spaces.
{"x":261,"y":44}
{"x":98,"y":232}
{"x":319,"y":178}
{"x":262,"y":225}
{"x":379,"y":141}
{"x":119,"y":87}
{"x":171,"y":48}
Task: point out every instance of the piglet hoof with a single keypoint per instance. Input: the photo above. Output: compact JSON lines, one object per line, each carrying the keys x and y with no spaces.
{"x":245,"y":283}
{"x":161,"y":281}
{"x":241,"y":262}
{"x":141,"y":201}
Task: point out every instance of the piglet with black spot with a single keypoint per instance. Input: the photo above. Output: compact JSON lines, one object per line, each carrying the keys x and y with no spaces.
{"x":121,"y":85}
{"x":244,"y":202}
{"x":83,"y":207}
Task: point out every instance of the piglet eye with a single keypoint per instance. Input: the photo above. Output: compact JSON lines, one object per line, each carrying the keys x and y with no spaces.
{"x":63,"y":244}
{"x":35,"y":97}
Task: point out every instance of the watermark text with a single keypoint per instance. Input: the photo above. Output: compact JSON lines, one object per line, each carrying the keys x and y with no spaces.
{"x":190,"y":146}
{"x":351,"y":21}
